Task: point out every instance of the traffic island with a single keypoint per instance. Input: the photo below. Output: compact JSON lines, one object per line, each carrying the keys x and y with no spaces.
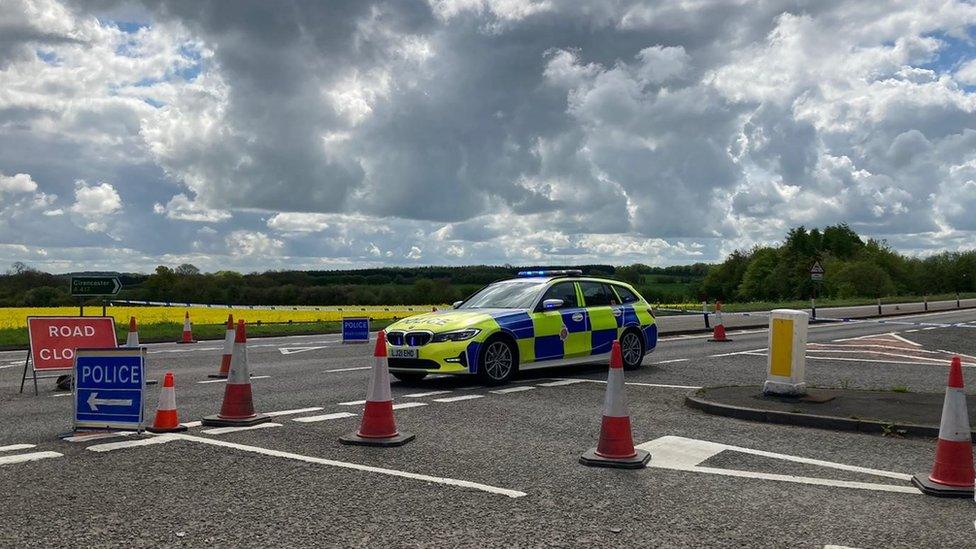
{"x":887,"y":412}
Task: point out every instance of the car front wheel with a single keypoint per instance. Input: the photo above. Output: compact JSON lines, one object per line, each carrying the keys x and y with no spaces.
{"x":498,"y":362}
{"x":632,"y":349}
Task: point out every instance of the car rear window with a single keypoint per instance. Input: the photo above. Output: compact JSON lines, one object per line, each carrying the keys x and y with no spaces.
{"x":565,"y":291}
{"x":597,"y":294}
{"x":626,"y":296}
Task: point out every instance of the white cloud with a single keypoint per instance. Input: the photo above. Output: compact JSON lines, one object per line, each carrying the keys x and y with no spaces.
{"x":294,"y":222}
{"x":18,"y":183}
{"x":180,"y":207}
{"x":95,"y":200}
{"x":248,"y":243}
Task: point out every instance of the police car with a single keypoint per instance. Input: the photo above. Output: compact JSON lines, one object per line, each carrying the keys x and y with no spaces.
{"x":537,"y":320}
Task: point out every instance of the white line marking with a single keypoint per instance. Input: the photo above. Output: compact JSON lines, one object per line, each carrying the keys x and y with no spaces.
{"x":357,"y":467}
{"x":60,"y":395}
{"x":880,"y":361}
{"x":225,"y":381}
{"x":900,"y":338}
{"x":109,"y":446}
{"x":685,"y":454}
{"x":13,"y":447}
{"x":14,"y":365}
{"x":352,"y":403}
{"x":513,"y":390}
{"x":192,"y":424}
{"x":911,"y":331}
{"x":960,"y":355}
{"x":348,"y":369}
{"x":562,"y":382}
{"x":324,"y":417}
{"x":458,"y":398}
{"x":737,"y":353}
{"x":431,"y":393}
{"x":640,"y":384}
{"x":673,"y":360}
{"x":296,"y":350}
{"x":408,"y":405}
{"x":98,"y":436}
{"x":34,"y":456}
{"x":292,"y":412}
{"x":225,"y":430}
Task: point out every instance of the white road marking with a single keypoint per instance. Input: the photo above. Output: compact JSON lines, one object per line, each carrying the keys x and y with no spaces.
{"x":98,"y":436}
{"x":932,"y":328}
{"x":838,"y":547}
{"x":562,"y":382}
{"x":685,"y":454}
{"x":14,"y":365}
{"x":296,"y":350}
{"x":960,"y":355}
{"x":34,"y":456}
{"x":348,"y":369}
{"x":225,"y":430}
{"x":513,"y":390}
{"x":737,"y":353}
{"x":408,"y":405}
{"x":192,"y":424}
{"x":641,"y":384}
{"x":225,"y":381}
{"x":458,"y":398}
{"x":109,"y":446}
{"x":292,"y":412}
{"x":324,"y":417}
{"x":61,"y":395}
{"x":13,"y":447}
{"x":431,"y":393}
{"x":880,"y":361}
{"x":356,"y":466}
{"x":900,"y":338}
{"x":352,"y":403}
{"x":673,"y":360}
{"x":911,"y":331}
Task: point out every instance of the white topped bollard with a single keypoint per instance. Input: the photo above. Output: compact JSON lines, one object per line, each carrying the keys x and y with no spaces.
{"x":787,"y":353}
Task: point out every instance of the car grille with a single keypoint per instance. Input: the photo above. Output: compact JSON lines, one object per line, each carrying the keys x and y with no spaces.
{"x":395,"y":338}
{"x":410,"y":339}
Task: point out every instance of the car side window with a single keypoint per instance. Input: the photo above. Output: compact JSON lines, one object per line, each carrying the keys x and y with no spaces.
{"x":565,"y":291}
{"x":626,"y":296}
{"x":596,"y":294}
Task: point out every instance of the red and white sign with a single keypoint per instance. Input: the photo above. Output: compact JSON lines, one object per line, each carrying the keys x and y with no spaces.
{"x":53,"y":339}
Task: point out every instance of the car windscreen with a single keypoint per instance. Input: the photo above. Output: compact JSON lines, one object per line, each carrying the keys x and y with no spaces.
{"x":505,"y":295}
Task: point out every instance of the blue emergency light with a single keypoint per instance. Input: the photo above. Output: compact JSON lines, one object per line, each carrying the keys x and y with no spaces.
{"x":564,"y":272}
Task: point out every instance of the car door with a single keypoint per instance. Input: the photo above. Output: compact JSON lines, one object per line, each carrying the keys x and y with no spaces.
{"x":561,"y":333}
{"x":600,"y":304}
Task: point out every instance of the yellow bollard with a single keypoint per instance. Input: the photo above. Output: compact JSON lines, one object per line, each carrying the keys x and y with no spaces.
{"x":786,"y":363}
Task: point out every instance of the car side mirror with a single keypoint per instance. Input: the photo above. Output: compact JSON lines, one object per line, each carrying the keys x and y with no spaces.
{"x":456,"y":304}
{"x":551,"y":304}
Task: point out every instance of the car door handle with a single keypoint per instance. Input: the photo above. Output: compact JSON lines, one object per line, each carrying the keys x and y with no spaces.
{"x":616,"y":312}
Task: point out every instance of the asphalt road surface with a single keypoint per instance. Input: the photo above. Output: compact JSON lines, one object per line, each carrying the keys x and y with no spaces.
{"x":489,"y":466}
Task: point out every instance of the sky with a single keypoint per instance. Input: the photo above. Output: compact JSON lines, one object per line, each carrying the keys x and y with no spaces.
{"x":254,"y":135}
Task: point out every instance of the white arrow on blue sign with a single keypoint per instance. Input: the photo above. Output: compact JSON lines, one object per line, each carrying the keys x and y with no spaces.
{"x":109,"y":388}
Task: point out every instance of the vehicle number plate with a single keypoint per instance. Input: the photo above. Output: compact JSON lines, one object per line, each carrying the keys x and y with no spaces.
{"x":403,"y":353}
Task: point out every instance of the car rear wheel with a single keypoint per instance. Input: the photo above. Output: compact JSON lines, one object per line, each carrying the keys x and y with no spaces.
{"x":409,"y":376}
{"x":632,"y":350}
{"x":498,"y":362}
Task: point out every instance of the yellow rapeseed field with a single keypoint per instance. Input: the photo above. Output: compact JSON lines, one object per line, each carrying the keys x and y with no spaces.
{"x":16,"y":317}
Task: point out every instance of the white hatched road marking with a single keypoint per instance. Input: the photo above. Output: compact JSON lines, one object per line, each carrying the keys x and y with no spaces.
{"x":324,"y":417}
{"x":22,"y":458}
{"x":408,"y":405}
{"x":225,"y":381}
{"x":458,"y":398}
{"x":355,"y":466}
{"x":14,"y":447}
{"x":431,"y":393}
{"x":225,"y":430}
{"x":110,"y":446}
{"x":97,"y":436}
{"x":513,"y":390}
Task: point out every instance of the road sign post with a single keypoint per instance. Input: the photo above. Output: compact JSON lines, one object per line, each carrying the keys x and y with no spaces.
{"x":53,"y":340}
{"x":109,"y":388}
{"x":355,"y":329}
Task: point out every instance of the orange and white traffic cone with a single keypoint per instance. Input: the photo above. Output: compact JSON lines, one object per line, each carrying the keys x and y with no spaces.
{"x":132,"y":339}
{"x":616,"y":446}
{"x":952,"y":474}
{"x":378,"y":427}
{"x":167,"y":420}
{"x":237,"y":409}
{"x":718,"y":334}
{"x":187,"y":330}
{"x":229,"y":337}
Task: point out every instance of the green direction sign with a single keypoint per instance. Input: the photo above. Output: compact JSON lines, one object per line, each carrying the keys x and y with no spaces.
{"x":84,"y":286}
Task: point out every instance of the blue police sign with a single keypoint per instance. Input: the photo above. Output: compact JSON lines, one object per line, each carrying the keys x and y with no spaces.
{"x":109,"y":388}
{"x":355,"y":330}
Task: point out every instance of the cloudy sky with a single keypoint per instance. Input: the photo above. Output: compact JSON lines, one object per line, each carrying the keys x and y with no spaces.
{"x":327,"y":134}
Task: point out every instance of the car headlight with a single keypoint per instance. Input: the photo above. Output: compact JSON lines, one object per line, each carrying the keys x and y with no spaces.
{"x":456,"y":335}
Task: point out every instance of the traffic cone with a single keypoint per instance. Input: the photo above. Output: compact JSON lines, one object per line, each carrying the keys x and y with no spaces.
{"x":132,"y":339}
{"x":378,"y":427}
{"x":952,"y":474}
{"x":187,"y":330}
{"x":718,"y":334}
{"x":616,"y":446}
{"x":228,"y":350}
{"x":166,"y":419}
{"x":237,"y":409}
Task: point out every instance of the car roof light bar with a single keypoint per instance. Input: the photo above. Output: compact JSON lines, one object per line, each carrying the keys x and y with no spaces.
{"x":563,"y":272}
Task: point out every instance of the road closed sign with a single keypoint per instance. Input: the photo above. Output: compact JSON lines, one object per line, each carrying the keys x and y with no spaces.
{"x":53,"y":340}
